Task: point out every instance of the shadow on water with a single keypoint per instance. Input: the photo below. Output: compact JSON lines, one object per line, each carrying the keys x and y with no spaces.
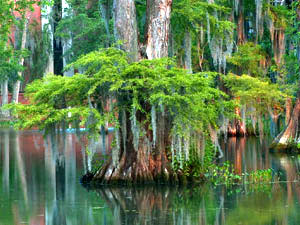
{"x":39,"y":184}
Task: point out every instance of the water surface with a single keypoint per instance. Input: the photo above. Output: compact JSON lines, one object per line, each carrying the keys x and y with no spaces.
{"x":39,"y":184}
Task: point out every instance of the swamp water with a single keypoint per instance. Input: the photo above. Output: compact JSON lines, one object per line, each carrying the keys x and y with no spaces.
{"x":39,"y":184}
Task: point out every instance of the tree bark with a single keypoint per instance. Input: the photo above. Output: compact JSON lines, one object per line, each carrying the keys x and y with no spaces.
{"x":104,"y":9}
{"x":144,"y":164}
{"x":288,"y":110}
{"x":188,"y":51}
{"x":237,"y":128}
{"x":4,"y":93}
{"x":17,"y":84}
{"x":66,"y":42}
{"x":240,"y":26}
{"x":125,"y":28}
{"x":158,"y":25}
{"x":288,"y":137}
{"x":47,"y":26}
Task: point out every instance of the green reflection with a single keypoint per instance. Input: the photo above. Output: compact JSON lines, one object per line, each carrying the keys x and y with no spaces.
{"x":39,"y":184}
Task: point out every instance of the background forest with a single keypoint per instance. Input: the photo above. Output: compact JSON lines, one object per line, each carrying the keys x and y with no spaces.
{"x":170,"y":76}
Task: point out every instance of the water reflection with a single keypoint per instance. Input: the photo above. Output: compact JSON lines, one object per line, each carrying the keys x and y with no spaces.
{"x":199,"y":205}
{"x":40,"y":185}
{"x":40,"y":178}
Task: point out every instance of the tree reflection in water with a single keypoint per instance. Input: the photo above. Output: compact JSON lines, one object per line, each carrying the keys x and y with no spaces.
{"x":40,"y":185}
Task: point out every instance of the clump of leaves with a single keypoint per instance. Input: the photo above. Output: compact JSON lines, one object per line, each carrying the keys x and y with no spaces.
{"x":259,"y":93}
{"x":247,"y":60}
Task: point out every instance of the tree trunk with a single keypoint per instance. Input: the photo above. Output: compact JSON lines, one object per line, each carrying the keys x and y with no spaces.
{"x":17,"y":84}
{"x":188,"y":51}
{"x":158,"y":25}
{"x":139,"y":158}
{"x":279,"y":45}
{"x":240,"y":26}
{"x":4,"y":93}
{"x":287,"y":138}
{"x":237,"y":128}
{"x":47,"y":26}
{"x":200,"y":50}
{"x":288,"y":110}
{"x":104,"y":9}
{"x":136,"y":162}
{"x":66,"y":42}
{"x":125,"y":28}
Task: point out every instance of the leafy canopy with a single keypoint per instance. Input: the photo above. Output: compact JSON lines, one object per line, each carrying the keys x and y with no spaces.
{"x":189,"y":99}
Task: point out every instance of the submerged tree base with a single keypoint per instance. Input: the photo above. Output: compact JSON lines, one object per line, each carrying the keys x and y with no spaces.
{"x":287,"y":140}
{"x":136,"y":174}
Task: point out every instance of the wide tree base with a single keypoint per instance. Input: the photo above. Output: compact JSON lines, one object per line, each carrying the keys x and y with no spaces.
{"x":137,"y":174}
{"x":287,"y":140}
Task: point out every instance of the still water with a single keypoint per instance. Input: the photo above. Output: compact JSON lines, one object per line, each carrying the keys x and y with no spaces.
{"x":39,"y":184}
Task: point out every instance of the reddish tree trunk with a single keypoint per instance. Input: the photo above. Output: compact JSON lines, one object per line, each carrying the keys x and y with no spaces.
{"x":237,"y":127}
{"x":240,"y":26}
{"x":288,"y":110}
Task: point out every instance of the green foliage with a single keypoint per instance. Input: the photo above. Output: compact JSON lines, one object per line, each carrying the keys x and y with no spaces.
{"x":7,"y":124}
{"x":259,"y":176}
{"x":199,"y":18}
{"x":223,"y":174}
{"x":219,"y":174}
{"x":9,"y":56}
{"x":279,"y":15}
{"x":40,"y":54}
{"x":56,"y":99}
{"x":85,"y":26}
{"x":9,"y":61}
{"x":190,"y":99}
{"x":261,"y":94}
{"x":247,"y":59}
